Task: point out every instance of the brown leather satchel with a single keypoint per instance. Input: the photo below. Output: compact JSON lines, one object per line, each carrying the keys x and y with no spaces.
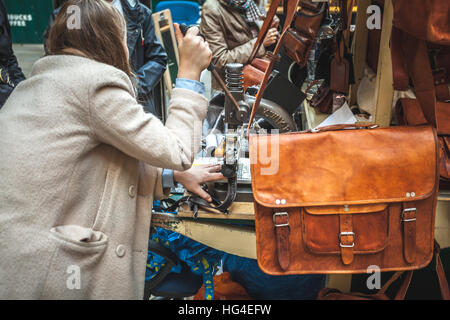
{"x":336,"y":200}
{"x":299,"y":40}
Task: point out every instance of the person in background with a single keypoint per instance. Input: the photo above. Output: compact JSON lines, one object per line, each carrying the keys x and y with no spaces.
{"x":10,"y":73}
{"x":231,"y":28}
{"x":148,"y":58}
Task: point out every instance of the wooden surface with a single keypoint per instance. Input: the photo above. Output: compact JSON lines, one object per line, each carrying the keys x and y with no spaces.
{"x":237,"y":240}
{"x":359,"y":47}
{"x":385,"y":81}
{"x":238,"y":211}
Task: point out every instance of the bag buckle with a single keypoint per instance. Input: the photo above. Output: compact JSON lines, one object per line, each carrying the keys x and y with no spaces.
{"x":281,"y":224}
{"x":346,"y":234}
{"x":408,"y":210}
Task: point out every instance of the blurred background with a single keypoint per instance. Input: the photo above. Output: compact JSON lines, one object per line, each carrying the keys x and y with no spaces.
{"x":29,"y":19}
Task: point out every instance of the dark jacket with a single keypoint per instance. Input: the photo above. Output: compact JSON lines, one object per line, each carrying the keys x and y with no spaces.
{"x":147,"y":56}
{"x":11,"y":74}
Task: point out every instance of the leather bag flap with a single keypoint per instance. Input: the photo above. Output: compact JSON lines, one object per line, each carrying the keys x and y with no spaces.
{"x":345,"y":167}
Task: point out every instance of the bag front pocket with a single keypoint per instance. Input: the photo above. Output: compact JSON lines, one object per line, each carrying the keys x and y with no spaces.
{"x":331,"y":230}
{"x":296,"y":46}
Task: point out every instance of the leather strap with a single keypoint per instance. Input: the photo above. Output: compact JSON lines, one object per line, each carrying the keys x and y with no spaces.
{"x":404,"y":287}
{"x":399,"y":69}
{"x":409,"y":214}
{"x":442,"y":92}
{"x":401,"y":293}
{"x":265,"y":27}
{"x":443,"y":283}
{"x":346,"y":238}
{"x":290,"y":9}
{"x":282,"y":231}
{"x":419,"y":69}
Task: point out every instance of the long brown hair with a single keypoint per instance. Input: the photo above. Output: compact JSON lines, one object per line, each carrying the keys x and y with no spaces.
{"x":99,"y":35}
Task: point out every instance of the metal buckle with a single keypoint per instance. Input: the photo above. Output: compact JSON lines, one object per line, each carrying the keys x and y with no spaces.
{"x":346,"y":234}
{"x":408,"y":210}
{"x":280,"y":214}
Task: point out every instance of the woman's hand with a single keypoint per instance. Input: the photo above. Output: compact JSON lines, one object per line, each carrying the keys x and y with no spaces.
{"x":275,"y":22}
{"x":193,"y":179}
{"x":271,"y":37}
{"x":194,"y":52}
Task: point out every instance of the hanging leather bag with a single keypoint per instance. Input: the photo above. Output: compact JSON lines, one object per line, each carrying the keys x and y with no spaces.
{"x":431,"y":86}
{"x":322,"y":100}
{"x":254,"y":72}
{"x":342,"y":198}
{"x":299,"y":40}
{"x":427,"y":20}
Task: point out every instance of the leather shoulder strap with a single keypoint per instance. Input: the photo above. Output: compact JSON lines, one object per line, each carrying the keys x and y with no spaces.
{"x":265,"y":27}
{"x":419,"y":69}
{"x":443,"y":283}
{"x":291,"y":8}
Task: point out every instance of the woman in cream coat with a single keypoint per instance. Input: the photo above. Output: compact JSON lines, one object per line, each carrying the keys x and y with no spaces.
{"x":80,"y":162}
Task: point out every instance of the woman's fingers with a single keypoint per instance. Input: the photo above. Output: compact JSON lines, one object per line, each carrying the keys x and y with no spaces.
{"x":193,"y":31}
{"x":202,"y":194}
{"x":178,"y":34}
{"x":214,"y":167}
{"x":209,"y":177}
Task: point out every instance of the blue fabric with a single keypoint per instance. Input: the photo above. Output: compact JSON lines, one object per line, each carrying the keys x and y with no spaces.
{"x":205,"y":261}
{"x":187,"y":12}
{"x":200,"y":259}
{"x":190,"y":85}
{"x":260,"y":285}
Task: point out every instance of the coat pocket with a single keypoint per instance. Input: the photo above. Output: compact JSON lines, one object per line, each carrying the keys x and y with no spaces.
{"x":75,"y":263}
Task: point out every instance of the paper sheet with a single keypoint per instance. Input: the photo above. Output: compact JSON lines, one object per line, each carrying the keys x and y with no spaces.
{"x":341,"y":116}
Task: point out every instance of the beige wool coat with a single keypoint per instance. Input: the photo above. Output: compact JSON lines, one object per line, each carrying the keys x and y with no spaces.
{"x":79,"y":166}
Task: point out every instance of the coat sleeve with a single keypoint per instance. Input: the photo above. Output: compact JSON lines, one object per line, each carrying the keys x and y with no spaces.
{"x":117,"y":119}
{"x":150,"y":180}
{"x":155,"y":59}
{"x":215,"y":36}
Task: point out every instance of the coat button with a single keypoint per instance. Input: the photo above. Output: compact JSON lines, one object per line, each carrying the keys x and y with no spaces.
{"x":132,"y":191}
{"x":120,"y":250}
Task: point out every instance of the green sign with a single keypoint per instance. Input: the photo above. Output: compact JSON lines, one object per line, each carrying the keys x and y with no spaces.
{"x":28,"y":19}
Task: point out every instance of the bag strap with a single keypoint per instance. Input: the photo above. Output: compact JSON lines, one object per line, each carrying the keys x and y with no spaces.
{"x":419,"y":69}
{"x":291,"y":8}
{"x":265,"y":27}
{"x":443,"y":283}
